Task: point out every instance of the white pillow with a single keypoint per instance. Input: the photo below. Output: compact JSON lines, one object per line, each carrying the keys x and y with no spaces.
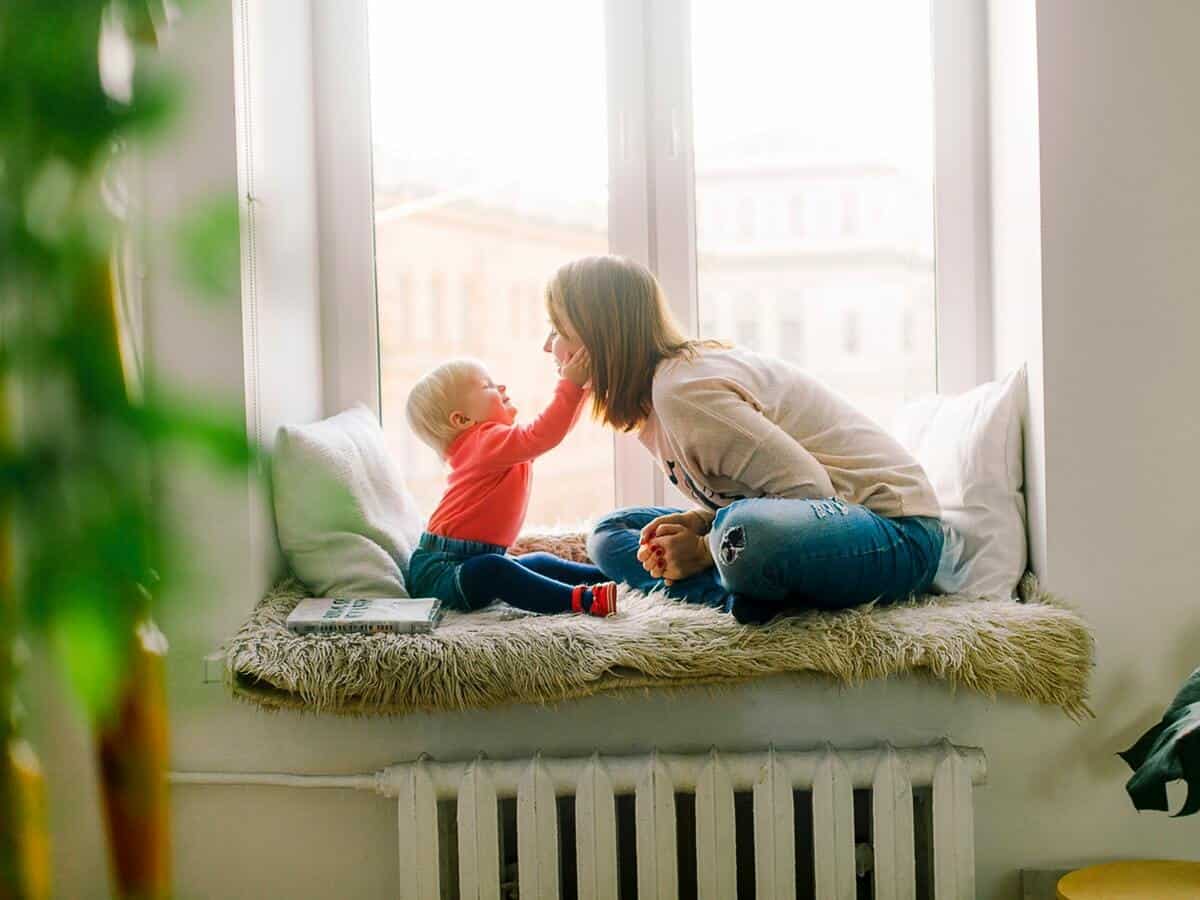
{"x":970,"y":446}
{"x":347,"y":524}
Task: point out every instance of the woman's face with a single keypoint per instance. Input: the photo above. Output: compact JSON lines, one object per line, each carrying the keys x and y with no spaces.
{"x":562,"y":344}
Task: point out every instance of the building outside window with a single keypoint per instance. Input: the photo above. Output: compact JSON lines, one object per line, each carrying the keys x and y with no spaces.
{"x":851,"y":332}
{"x":791,"y":341}
{"x":796,"y":215}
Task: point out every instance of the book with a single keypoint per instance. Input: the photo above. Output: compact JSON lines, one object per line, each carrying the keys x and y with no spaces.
{"x":339,"y":615}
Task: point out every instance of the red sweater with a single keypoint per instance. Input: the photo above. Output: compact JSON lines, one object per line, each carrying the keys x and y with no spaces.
{"x":487,"y":492}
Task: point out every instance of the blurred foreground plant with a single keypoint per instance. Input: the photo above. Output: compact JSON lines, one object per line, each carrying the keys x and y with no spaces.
{"x":83,"y":547}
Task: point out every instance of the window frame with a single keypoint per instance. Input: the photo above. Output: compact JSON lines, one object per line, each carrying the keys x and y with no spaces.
{"x":652,"y":215}
{"x":345,"y":205}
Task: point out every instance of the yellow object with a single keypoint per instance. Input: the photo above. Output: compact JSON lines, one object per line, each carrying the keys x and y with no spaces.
{"x":33,"y":830}
{"x":1155,"y":879}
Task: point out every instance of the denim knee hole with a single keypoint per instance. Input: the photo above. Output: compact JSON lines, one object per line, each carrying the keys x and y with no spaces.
{"x":733,"y":542}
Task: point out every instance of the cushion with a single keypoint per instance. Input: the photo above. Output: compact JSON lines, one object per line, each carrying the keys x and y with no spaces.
{"x":347,"y":525}
{"x":970,"y":446}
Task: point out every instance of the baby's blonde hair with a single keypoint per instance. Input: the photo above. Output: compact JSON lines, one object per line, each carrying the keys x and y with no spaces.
{"x":434,"y":397}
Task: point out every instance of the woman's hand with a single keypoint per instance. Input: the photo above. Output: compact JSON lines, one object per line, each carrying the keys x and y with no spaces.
{"x":697,"y":520}
{"x":674,"y":547}
{"x":578,"y":369}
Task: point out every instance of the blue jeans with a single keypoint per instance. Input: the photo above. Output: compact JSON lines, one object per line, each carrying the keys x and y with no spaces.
{"x":467,"y":575}
{"x":775,"y":555}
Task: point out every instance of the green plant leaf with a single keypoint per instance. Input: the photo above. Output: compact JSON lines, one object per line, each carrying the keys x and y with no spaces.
{"x":208,"y":247}
{"x":220,"y":430}
{"x":92,"y":649}
{"x":1167,"y":752}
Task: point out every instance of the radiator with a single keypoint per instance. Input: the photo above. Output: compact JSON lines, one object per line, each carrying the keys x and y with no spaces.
{"x":829,"y":776}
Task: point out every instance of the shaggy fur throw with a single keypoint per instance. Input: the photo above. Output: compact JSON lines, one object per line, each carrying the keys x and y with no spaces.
{"x":1038,"y":650}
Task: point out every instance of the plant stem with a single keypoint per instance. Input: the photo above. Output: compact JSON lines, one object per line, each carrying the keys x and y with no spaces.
{"x":132,"y":750}
{"x":24,"y":841}
{"x":132,"y":744}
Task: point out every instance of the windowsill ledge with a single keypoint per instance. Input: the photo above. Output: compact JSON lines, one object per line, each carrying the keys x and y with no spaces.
{"x":1040,"y":652}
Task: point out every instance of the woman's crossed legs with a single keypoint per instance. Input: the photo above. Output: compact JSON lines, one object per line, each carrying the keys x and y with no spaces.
{"x":774,"y":555}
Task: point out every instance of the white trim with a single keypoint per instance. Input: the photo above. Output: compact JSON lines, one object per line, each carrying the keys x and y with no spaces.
{"x":345,"y":197}
{"x":743,"y":770}
{"x":672,"y":173}
{"x":629,"y":209}
{"x":247,"y":203}
{"x":672,"y":164}
{"x":961,"y":194}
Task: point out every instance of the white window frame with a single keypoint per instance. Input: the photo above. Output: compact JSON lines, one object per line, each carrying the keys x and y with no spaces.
{"x":652,"y":193}
{"x":345,"y":204}
{"x":962,"y":187}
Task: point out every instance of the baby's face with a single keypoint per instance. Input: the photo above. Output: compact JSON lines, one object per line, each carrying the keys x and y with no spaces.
{"x":482,"y":400}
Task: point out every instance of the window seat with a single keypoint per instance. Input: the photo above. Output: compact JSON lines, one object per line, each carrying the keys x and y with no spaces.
{"x":1038,"y":650}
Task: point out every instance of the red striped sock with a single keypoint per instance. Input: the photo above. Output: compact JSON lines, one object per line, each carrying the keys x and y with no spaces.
{"x":604,"y":599}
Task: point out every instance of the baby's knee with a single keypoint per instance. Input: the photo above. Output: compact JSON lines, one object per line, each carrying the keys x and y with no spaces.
{"x":485,"y":567}
{"x":480,"y":576}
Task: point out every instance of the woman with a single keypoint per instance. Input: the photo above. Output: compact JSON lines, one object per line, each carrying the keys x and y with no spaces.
{"x":803,"y":502}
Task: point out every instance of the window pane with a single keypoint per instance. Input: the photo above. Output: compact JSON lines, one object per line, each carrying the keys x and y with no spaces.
{"x":491,"y":169}
{"x":814,"y":188}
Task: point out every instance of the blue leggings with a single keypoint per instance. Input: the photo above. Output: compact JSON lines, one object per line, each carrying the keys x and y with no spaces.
{"x":467,"y":575}
{"x":539,"y":582}
{"x":775,"y":555}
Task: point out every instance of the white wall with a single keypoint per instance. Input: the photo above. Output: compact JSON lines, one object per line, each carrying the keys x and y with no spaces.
{"x":1108,"y":295}
{"x":1113,"y":308}
{"x":1120,"y":162}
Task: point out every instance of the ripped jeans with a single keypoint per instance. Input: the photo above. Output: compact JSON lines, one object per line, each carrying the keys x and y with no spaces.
{"x":775,"y":555}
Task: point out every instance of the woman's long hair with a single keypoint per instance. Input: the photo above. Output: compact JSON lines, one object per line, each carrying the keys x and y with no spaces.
{"x":620,"y":313}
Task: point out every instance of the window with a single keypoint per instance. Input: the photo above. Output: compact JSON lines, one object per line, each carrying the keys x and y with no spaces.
{"x":516,"y":310}
{"x":851,"y":332}
{"x":748,"y":331}
{"x":745,"y":219}
{"x":791,"y":341}
{"x":437,"y":307}
{"x":783,"y":150}
{"x":490,"y":159}
{"x":771,"y":87}
{"x":535,"y":311}
{"x":400,"y":314}
{"x":796,"y":215}
{"x":466,"y":314}
{"x":850,"y":210}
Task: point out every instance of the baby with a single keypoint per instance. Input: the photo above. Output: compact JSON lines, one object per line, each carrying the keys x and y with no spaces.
{"x":459,"y":411}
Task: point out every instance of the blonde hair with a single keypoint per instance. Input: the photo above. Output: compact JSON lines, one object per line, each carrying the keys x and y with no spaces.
{"x":434,"y":397}
{"x":617,"y":308}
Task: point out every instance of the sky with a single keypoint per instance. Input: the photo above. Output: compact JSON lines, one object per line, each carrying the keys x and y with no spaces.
{"x":502,"y":92}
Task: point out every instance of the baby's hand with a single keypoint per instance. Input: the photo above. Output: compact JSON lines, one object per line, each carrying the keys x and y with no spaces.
{"x":578,"y":369}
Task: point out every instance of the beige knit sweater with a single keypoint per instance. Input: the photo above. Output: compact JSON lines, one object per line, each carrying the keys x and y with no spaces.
{"x":732,"y":424}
